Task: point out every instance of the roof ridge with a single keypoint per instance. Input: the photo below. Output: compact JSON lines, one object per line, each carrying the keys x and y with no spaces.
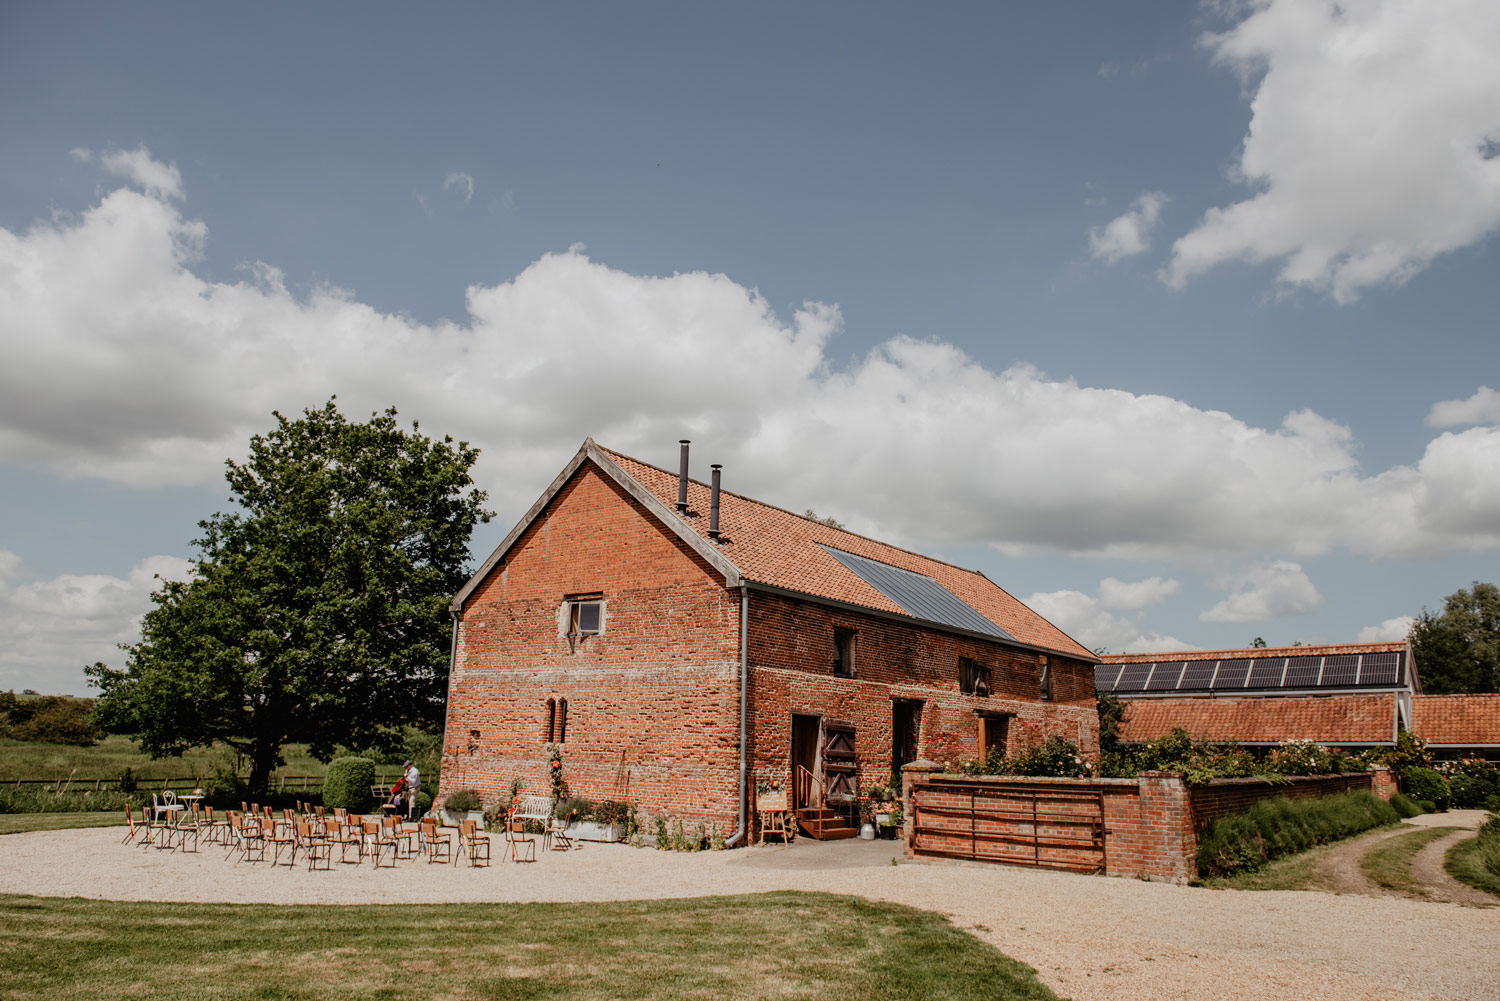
{"x":1383,"y":646}
{"x":794,"y":514}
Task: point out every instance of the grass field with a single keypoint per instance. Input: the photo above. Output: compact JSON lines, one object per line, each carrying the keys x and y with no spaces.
{"x":1388,"y":864}
{"x":112,"y":755}
{"x":1463,"y":864}
{"x":782,"y":945}
{"x":24,"y":823}
{"x":1302,"y":871}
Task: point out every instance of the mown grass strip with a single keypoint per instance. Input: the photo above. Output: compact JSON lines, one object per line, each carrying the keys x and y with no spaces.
{"x":1271,"y":828}
{"x":1465,"y":863}
{"x":24,"y":823}
{"x":1388,"y":864}
{"x":782,"y":945}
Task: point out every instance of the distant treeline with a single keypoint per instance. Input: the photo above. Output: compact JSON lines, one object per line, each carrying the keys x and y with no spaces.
{"x":48,"y":719}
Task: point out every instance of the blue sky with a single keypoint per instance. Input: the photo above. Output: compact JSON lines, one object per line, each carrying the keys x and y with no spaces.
{"x":1177,"y":320}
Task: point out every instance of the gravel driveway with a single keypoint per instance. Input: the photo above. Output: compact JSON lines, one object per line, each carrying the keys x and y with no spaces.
{"x":1091,"y":938}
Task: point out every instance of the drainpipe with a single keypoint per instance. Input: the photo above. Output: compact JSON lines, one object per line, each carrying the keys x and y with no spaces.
{"x":744,"y":706}
{"x":457,"y":617}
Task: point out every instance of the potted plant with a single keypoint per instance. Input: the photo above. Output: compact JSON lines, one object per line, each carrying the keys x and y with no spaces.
{"x":463,"y":805}
{"x":603,"y":821}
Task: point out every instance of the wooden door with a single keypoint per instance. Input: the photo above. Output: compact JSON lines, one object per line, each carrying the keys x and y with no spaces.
{"x":839,"y":769}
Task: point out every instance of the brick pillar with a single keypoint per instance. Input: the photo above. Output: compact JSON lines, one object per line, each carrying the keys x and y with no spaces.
{"x":1171,"y":841}
{"x":912,"y":773}
{"x":1382,"y":782}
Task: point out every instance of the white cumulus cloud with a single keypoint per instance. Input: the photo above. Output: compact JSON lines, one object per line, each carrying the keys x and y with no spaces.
{"x":1371,"y":146}
{"x":55,"y":627}
{"x":1130,"y":233}
{"x":1267,"y":591}
{"x":1481,"y":408}
{"x":461,"y":182}
{"x":1388,"y":631}
{"x":1087,"y":618}
{"x":122,"y":363}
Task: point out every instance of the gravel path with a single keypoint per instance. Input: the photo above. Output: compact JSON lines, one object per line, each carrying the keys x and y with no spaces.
{"x":1091,"y":938}
{"x":1427,"y":866}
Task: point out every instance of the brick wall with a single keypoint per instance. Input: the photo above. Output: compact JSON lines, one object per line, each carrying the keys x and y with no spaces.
{"x":653,"y":702}
{"x":1225,"y":796}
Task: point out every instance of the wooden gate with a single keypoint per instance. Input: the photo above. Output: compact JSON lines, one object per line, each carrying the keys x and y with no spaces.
{"x":1033,"y":824}
{"x":839,"y":769}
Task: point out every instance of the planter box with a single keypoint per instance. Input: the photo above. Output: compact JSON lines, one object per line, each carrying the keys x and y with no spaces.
{"x":587,"y":830}
{"x":451,"y":819}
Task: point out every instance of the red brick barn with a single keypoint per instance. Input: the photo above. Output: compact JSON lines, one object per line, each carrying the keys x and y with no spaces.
{"x":682,"y":643}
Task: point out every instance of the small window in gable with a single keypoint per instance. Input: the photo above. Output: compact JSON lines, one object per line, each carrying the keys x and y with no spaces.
{"x":973,"y":678}
{"x":585,"y":615}
{"x":843,"y":653}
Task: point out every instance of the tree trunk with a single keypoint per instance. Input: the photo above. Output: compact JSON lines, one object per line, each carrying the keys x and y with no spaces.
{"x":263,"y":759}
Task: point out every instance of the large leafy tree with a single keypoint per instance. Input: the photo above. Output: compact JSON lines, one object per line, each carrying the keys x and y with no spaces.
{"x":317,"y":610}
{"x":1459,"y":649}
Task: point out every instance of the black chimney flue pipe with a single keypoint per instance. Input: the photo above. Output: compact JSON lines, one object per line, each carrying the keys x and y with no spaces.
{"x":713,"y":506}
{"x":682,"y":477}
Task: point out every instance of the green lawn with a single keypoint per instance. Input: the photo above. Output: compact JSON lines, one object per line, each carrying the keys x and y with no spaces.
{"x":23,"y":823}
{"x":1388,"y":864}
{"x":1464,"y":865}
{"x":112,"y":755}
{"x":782,"y":945}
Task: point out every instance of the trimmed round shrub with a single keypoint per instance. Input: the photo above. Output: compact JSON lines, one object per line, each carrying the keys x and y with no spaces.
{"x":1426,"y":784}
{"x":348,"y":784}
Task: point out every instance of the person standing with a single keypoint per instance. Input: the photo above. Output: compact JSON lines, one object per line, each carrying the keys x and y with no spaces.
{"x":413,"y":780}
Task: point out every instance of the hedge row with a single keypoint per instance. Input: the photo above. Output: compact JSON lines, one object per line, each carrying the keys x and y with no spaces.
{"x":1271,"y":828}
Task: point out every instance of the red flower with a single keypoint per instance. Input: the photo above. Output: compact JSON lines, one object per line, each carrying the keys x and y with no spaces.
{"x":557,"y":764}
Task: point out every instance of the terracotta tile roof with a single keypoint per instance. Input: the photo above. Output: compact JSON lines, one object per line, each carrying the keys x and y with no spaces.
{"x":1456,"y":719}
{"x":779,"y":548}
{"x":1332,"y":719}
{"x":1328,"y":650}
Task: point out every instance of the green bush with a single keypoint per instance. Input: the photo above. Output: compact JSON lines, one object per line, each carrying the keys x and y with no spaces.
{"x":348,"y":784}
{"x":1471,"y":784}
{"x":1489,"y":844}
{"x":1426,"y":784}
{"x":608,"y":811}
{"x":1406,"y":806}
{"x":463,"y":800}
{"x":48,"y":719}
{"x":1274,"y":827}
{"x":573,"y":808}
{"x":1427,"y":805}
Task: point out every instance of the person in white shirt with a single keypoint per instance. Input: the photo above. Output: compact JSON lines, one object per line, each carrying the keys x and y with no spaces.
{"x":412,"y":787}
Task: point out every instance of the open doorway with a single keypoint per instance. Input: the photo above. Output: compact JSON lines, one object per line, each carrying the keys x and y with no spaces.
{"x":994,"y":731}
{"x":805,"y":730}
{"x":906,"y":731}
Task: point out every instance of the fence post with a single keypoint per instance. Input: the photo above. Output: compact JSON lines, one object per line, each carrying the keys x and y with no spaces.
{"x":913,"y":773}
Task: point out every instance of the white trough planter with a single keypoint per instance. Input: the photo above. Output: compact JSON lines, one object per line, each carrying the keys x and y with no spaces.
{"x":587,"y":830}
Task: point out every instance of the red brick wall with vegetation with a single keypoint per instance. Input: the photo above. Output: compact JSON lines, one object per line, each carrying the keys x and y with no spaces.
{"x":791,"y":652}
{"x":653,"y":702}
{"x":1151,"y":822}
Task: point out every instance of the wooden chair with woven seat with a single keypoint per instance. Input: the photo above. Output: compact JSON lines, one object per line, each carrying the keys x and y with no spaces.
{"x":247,"y":837}
{"x":474,"y":844}
{"x":282,"y":838}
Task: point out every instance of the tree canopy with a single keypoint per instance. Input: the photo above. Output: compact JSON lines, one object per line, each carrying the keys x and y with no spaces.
{"x":1458,"y":650}
{"x":317,"y":610}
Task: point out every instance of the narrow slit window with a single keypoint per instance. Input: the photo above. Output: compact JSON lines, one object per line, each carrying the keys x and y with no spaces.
{"x":843,"y":653}
{"x":562,"y":721}
{"x":551,"y":721}
{"x":1046,"y":680}
{"x":973,"y":678}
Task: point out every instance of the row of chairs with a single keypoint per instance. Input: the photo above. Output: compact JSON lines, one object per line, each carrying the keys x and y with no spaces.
{"x":252,"y":831}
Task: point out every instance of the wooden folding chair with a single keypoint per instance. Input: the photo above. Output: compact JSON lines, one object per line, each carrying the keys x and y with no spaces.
{"x":557,"y":835}
{"x":281,"y":837}
{"x":131,"y":831}
{"x":519,"y":842}
{"x":378,"y":843}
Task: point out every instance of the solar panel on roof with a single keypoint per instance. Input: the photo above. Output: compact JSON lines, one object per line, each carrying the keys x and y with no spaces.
{"x":1133,"y":678}
{"x":1340,"y":670}
{"x":1232,"y":673}
{"x":1164,"y":678}
{"x":1378,"y":669}
{"x":1266,"y":672}
{"x":1197,"y":674}
{"x":1302,"y":672}
{"x":920,"y":595}
{"x":1105,"y":676}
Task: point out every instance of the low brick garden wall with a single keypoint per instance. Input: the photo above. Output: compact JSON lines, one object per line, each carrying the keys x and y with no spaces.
{"x":1145,"y":827}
